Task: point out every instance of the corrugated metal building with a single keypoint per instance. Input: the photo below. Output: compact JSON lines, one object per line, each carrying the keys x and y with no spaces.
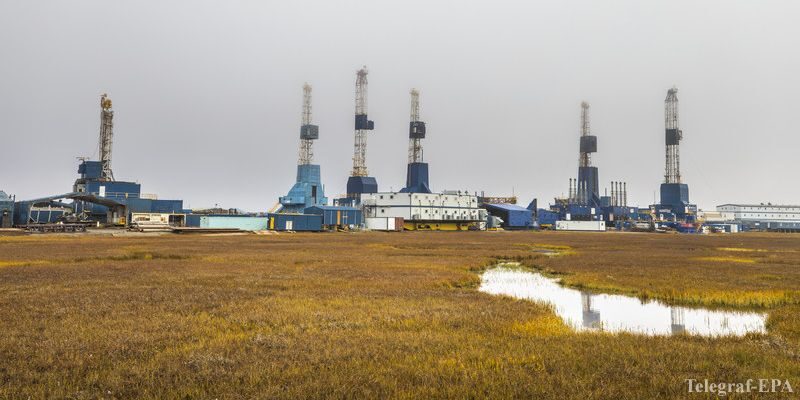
{"x":295,"y":222}
{"x":337,"y":216}
{"x":546,"y":217}
{"x":513,"y":216}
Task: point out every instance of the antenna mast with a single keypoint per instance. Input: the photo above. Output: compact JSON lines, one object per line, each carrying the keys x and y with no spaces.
{"x":106,"y":138}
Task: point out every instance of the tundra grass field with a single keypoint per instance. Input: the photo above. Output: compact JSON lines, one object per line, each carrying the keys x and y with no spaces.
{"x":376,"y":315}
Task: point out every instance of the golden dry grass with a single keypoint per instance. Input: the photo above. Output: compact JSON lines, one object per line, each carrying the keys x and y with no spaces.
{"x":742,"y":260}
{"x":373,"y":315}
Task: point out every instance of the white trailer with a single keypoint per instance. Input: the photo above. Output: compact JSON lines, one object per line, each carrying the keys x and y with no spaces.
{"x":384,"y":224}
{"x":592,"y":226}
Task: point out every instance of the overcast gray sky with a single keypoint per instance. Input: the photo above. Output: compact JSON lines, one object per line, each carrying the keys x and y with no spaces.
{"x":207,"y":94}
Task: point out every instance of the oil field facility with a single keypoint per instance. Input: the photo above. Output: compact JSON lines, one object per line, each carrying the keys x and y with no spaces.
{"x":97,"y":199}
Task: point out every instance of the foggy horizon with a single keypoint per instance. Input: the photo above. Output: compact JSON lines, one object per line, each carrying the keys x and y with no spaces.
{"x":207,"y":97}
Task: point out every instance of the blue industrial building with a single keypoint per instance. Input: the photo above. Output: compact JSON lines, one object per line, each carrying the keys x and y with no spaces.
{"x":93,"y":199}
{"x":546,"y":218}
{"x":337,"y":216}
{"x":90,"y":182}
{"x":295,"y":222}
{"x":675,"y":205}
{"x":417,"y":178}
{"x":513,"y":216}
{"x":358,"y":185}
{"x":112,"y":202}
{"x":306,"y":192}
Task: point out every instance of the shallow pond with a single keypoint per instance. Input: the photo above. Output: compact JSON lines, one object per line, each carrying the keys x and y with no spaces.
{"x":617,"y":313}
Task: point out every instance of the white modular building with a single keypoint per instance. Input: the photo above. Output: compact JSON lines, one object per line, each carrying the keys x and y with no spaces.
{"x":434,"y":211}
{"x":762,"y":216}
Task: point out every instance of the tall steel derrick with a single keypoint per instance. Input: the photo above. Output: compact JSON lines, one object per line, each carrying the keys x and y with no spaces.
{"x":362,"y":125}
{"x":308,"y":132}
{"x":585,"y":156}
{"x":417,"y":172}
{"x":673,"y":137}
{"x":416,"y":132}
{"x":106,"y":138}
{"x":587,"y":190}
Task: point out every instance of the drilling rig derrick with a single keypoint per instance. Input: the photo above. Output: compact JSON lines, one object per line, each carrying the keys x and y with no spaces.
{"x":360,"y":181}
{"x":106,"y":138}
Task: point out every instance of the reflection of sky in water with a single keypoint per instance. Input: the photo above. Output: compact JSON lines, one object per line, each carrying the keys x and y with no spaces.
{"x":616,"y":313}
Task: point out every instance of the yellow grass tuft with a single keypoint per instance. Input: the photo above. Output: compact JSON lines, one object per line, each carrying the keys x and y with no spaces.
{"x":550,"y":246}
{"x":740,"y":249}
{"x":552,"y":250}
{"x":542,"y":325}
{"x":727,"y":259}
{"x":216,"y":259}
{"x":22,"y":263}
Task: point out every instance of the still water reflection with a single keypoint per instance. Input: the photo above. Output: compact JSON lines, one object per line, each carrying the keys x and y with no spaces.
{"x":616,"y":313}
